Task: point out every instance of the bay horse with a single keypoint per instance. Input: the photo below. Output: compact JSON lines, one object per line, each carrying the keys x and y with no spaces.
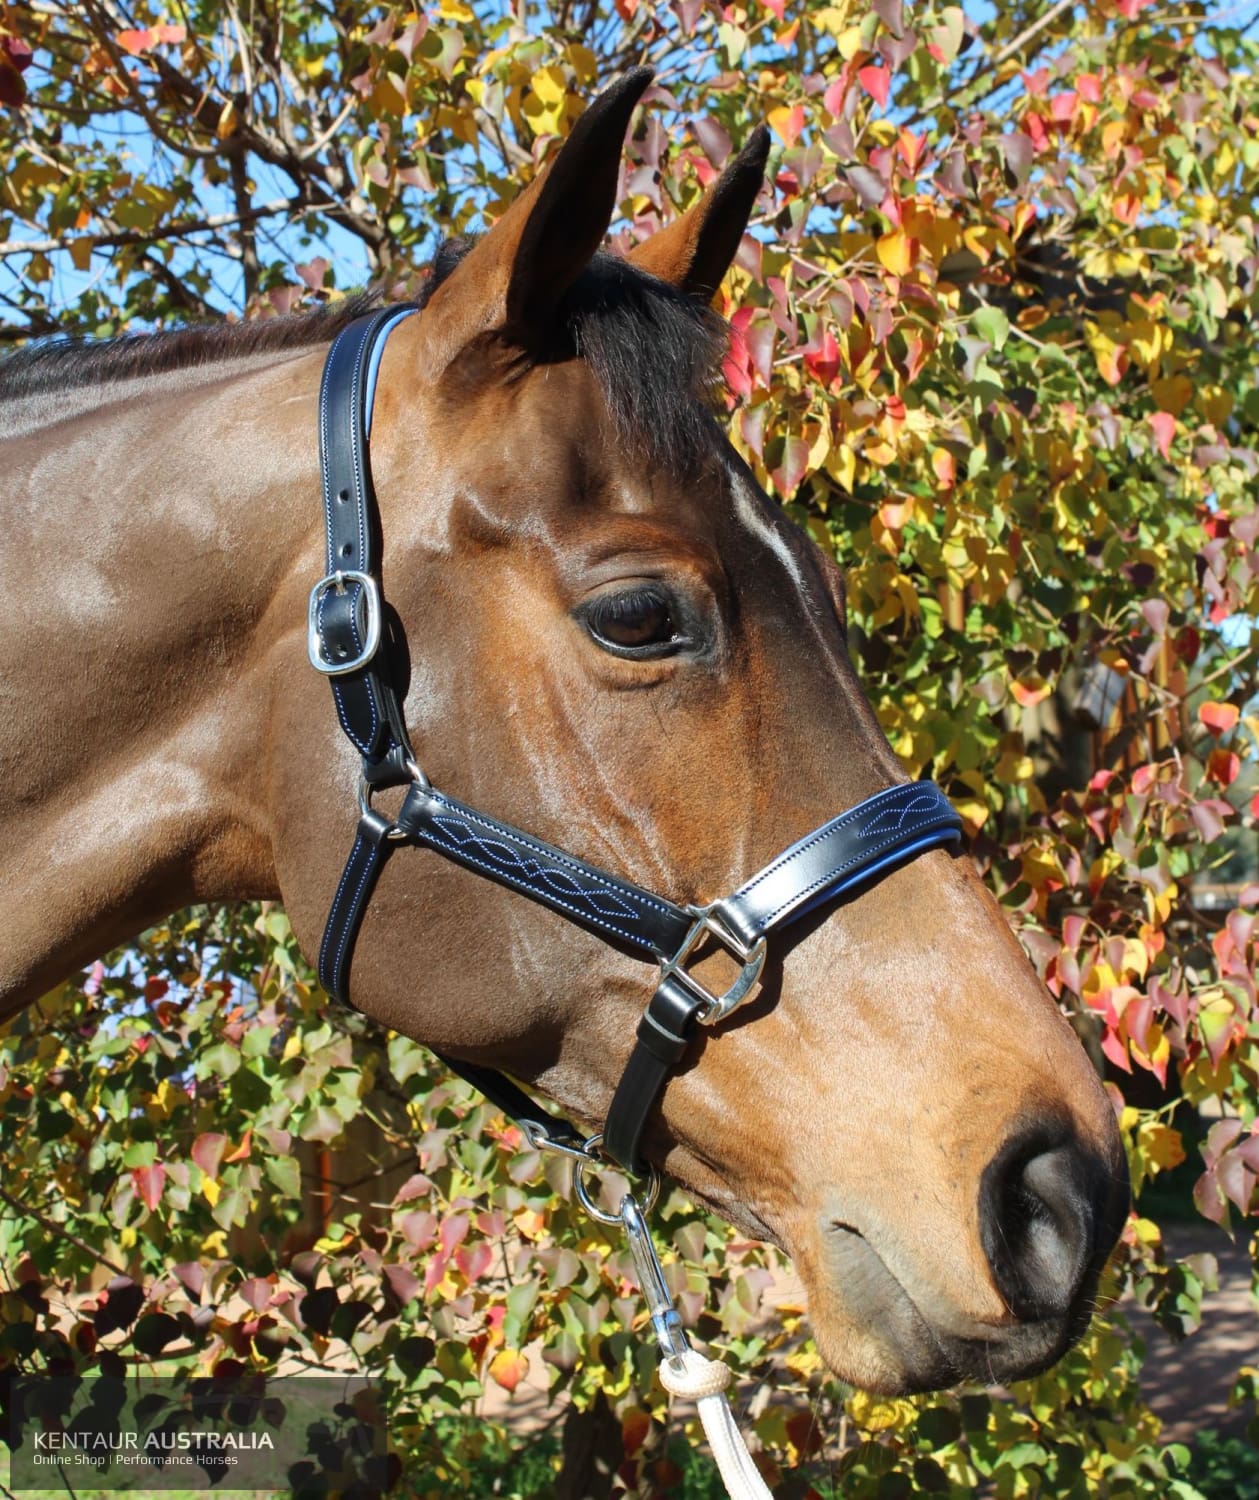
{"x":617,"y":642}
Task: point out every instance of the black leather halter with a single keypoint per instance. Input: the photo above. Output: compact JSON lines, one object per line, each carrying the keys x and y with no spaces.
{"x":355,"y":641}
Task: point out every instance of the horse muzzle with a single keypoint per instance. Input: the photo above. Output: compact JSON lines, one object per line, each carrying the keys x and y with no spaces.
{"x":1049,"y":1211}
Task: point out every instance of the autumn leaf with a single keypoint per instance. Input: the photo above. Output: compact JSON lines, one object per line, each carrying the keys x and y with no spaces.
{"x":897,"y":252}
{"x":508,"y":1368}
{"x":1219,"y":718}
{"x":876,"y":81}
{"x":149,"y":1182}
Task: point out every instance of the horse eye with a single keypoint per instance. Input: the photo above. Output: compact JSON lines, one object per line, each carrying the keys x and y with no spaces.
{"x":634,"y":622}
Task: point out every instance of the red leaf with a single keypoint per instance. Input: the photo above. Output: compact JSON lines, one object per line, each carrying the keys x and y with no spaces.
{"x":149,"y":1182}
{"x":1223,"y":767}
{"x":416,"y":1186}
{"x":1219,"y":718}
{"x":242,"y":1151}
{"x":136,"y":42}
{"x":823,"y":363}
{"x":256,"y":1291}
{"x":1235,"y":1180}
{"x":207,"y":1152}
{"x":1208,"y":1198}
{"x":17,"y":52}
{"x":877,"y":82}
{"x":402,"y":1283}
{"x":508,"y":1368}
{"x":313,"y":272}
{"x":790,"y":472}
{"x":1206,"y":821}
{"x":1062,"y":107}
{"x":171,"y":35}
{"x":635,"y":1425}
{"x":453,"y":1232}
{"x":474,"y":1260}
{"x":419,"y":1228}
{"x":1164,"y":425}
{"x":834,"y":97}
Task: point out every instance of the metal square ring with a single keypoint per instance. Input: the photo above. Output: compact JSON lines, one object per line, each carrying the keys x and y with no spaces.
{"x":716,"y":1007}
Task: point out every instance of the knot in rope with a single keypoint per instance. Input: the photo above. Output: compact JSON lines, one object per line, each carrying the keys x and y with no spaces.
{"x":698,"y":1377}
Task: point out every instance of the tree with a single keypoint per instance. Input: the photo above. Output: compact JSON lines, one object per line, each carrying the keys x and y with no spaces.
{"x":992,"y":339}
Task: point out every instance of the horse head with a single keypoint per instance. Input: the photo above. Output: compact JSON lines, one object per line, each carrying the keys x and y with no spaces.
{"x":619,"y":643}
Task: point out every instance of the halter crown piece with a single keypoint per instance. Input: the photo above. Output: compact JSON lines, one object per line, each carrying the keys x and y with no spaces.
{"x":354,"y":640}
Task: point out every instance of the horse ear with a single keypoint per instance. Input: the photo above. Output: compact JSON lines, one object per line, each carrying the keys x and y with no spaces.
{"x":511,"y":281}
{"x":694,"y":252}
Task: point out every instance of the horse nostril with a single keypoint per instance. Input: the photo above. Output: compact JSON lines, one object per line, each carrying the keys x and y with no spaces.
{"x":1040,"y":1202}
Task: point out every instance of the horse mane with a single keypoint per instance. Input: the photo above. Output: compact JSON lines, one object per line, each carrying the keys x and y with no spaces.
{"x":70,"y":362}
{"x":656,"y":351}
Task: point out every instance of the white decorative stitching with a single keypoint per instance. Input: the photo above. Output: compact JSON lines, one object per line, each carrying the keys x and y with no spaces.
{"x":345,"y":875}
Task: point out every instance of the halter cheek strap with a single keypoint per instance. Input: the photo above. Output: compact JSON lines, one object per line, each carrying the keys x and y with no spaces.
{"x":354,"y":641}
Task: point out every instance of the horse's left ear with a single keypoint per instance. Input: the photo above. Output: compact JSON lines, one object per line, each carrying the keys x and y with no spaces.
{"x":512,"y":280}
{"x":694,"y":252}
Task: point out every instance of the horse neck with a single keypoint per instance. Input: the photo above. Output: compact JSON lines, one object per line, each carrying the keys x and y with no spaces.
{"x":147,"y":539}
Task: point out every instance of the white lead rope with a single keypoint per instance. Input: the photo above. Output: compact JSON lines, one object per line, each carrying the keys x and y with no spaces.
{"x":684,"y":1372}
{"x":692,"y":1377}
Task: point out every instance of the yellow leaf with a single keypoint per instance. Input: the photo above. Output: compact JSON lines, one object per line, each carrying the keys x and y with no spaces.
{"x":974,"y":813}
{"x":848,"y":42}
{"x":455,"y":10}
{"x":81,"y":254}
{"x":1161,"y":1145}
{"x":833,"y":19}
{"x":210,"y":1190}
{"x":1101,"y":977}
{"x":583,"y":61}
{"x":1172,"y":393}
{"x":841,"y":465}
{"x":1215,"y":404}
{"x":550,"y":85}
{"x":546,"y":104}
{"x":1148,"y":343}
{"x":897,"y":252}
{"x":1147,"y":1232}
{"x":508,"y":1368}
{"x":819,"y":445}
{"x":877,"y":1414}
{"x":1136,"y":957}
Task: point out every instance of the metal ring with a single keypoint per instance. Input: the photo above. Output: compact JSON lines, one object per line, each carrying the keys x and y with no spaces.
{"x":599,"y":1215}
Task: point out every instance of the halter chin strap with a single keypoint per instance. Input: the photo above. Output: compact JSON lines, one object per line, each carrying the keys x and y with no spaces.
{"x":356,"y":641}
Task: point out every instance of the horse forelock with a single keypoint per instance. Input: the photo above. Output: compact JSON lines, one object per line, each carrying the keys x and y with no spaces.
{"x":654,"y":350}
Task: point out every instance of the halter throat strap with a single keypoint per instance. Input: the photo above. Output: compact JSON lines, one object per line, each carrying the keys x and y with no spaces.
{"x":358,"y":643}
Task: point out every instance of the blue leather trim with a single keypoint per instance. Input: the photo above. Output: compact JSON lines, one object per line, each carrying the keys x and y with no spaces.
{"x":901,"y":854}
{"x":373,"y":366}
{"x":839,"y":854}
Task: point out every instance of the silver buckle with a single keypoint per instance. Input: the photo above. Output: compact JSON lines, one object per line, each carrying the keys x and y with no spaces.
{"x":716,"y":1007}
{"x":314,"y":641}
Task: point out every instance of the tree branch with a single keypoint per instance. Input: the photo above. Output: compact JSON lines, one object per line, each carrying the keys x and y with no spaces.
{"x":116,"y":237}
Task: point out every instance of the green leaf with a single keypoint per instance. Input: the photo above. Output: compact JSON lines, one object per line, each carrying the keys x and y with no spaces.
{"x":992,"y":325}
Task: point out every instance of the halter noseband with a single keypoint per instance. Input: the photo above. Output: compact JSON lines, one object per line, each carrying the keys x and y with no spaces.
{"x":355,"y":640}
